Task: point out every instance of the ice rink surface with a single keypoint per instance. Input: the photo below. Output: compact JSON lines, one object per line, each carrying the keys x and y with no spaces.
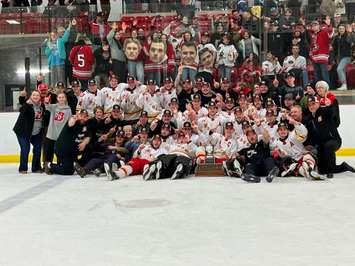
{"x":55,"y":220}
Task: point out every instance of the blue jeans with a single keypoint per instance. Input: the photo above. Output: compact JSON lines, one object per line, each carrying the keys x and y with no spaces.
{"x":156,"y":76}
{"x":25,"y":146}
{"x":321,"y":72}
{"x":341,"y":69}
{"x":188,"y":73}
{"x":136,"y":69}
{"x":225,"y":72}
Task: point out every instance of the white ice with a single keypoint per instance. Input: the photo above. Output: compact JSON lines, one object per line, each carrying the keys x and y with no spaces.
{"x":54,"y":220}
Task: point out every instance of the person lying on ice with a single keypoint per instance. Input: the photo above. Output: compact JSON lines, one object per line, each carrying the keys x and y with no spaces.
{"x":142,"y":156}
{"x":176,"y":164}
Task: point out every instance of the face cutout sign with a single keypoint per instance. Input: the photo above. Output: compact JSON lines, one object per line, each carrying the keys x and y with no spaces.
{"x":132,"y":48}
{"x":157,"y":52}
{"x":188,"y":54}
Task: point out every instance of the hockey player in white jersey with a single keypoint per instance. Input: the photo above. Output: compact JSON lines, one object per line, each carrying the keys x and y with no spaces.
{"x":88,"y":100}
{"x":288,"y":147}
{"x":167,"y":92}
{"x":150,"y":100}
{"x":109,"y":96}
{"x":128,"y":100}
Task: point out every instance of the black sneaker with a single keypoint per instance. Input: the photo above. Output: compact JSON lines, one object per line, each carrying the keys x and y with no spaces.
{"x":79,"y":170}
{"x":251,"y":178}
{"x":330,"y":175}
{"x":272,"y":174}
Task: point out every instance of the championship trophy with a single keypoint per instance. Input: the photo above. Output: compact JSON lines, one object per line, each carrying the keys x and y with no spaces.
{"x":209,"y":167}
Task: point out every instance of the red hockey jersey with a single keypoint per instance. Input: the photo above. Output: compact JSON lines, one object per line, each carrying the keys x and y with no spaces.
{"x":82,"y":58}
{"x":320,"y":46}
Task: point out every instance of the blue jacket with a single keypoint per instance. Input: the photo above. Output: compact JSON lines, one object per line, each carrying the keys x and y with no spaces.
{"x":61,"y":48}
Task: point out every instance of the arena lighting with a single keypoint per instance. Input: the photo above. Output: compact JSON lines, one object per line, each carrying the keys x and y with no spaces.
{"x":33,"y":71}
{"x":12,"y":21}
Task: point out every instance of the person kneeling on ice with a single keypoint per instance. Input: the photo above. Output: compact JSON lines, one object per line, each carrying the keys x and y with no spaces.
{"x":177,"y":164}
{"x":142,"y":156}
{"x":289,"y":151}
{"x":257,"y":159}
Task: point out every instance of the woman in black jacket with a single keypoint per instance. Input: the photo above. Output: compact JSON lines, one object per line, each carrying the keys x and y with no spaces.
{"x":29,"y":130}
{"x":323,"y":134}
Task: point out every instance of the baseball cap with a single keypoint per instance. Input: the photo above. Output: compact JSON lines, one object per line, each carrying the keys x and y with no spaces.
{"x":92,"y":82}
{"x":116,"y":107}
{"x":60,"y":84}
{"x":196,"y":96}
{"x":166,"y":125}
{"x":167,"y":112}
{"x":120,"y":133}
{"x":174,"y":100}
{"x":75,"y":83}
{"x":130,"y":78}
{"x":212,"y":104}
{"x":282,"y":124}
{"x":290,"y":74}
{"x":144,"y":113}
{"x":229,"y":125}
{"x":312,"y":99}
{"x":42,"y":87}
{"x":151,"y":82}
{"x":143,"y":130}
{"x":83,"y":111}
{"x":187,"y":124}
{"x":269,"y":113}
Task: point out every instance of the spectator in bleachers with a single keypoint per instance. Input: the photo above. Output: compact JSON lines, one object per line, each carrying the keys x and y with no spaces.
{"x":103,"y":64}
{"x":54,"y":49}
{"x":342,"y":51}
{"x":319,"y":49}
{"x":184,"y":9}
{"x":297,"y":64}
{"x":226,"y":56}
{"x":82,"y":59}
{"x":249,"y":45}
{"x":115,"y":40}
{"x":301,"y":38}
{"x":99,"y":29}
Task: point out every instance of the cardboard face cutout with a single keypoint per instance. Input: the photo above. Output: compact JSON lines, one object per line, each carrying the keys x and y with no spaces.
{"x":157,"y":52}
{"x":206,"y":58}
{"x":188,"y":55}
{"x":132,"y":48}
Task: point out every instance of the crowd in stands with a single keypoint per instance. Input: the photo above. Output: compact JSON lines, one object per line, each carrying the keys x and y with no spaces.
{"x":157,"y":99}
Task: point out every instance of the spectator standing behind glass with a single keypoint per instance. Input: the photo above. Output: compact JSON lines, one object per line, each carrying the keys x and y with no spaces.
{"x":319,"y":49}
{"x":226,"y":56}
{"x":59,"y":115}
{"x":82,"y":59}
{"x":342,"y":51}
{"x":29,"y":130}
{"x":99,"y":30}
{"x":249,"y":45}
{"x":271,"y":66}
{"x":103,"y":64}
{"x":54,"y":48}
{"x":115,"y":40}
{"x":297,"y":64}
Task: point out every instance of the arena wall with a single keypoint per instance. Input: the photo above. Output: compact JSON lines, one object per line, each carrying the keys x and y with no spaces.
{"x":9,"y":148}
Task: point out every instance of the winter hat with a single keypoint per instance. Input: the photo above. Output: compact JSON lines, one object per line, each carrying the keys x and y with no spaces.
{"x":322,"y":84}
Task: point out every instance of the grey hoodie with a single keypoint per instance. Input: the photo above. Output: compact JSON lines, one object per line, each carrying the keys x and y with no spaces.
{"x":59,"y":117}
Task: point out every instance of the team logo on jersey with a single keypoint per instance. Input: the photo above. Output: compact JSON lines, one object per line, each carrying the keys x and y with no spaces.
{"x":320,"y":119}
{"x":59,"y":117}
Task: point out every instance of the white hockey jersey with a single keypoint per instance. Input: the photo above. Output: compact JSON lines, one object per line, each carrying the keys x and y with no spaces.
{"x":292,"y":146}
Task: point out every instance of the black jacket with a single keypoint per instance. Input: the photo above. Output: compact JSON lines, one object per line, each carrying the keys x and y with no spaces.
{"x":24,"y":124}
{"x":342,"y":45}
{"x":323,"y":126}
